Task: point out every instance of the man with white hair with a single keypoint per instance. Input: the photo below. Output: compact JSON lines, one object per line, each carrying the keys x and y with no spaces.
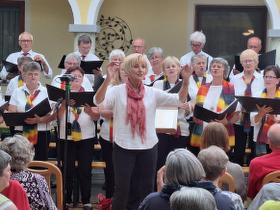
{"x":261,"y":166}
{"x":197,"y":42}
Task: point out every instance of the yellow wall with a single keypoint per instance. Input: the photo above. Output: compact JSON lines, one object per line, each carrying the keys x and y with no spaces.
{"x":49,"y":21}
{"x":160,"y":23}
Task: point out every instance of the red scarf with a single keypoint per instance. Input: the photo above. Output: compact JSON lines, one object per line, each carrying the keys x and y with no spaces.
{"x":136,"y":113}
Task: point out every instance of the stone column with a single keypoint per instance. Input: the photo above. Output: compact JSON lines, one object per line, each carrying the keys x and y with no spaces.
{"x":85,"y":13}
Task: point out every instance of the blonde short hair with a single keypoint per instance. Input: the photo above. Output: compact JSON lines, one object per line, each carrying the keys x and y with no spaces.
{"x":131,"y":60}
{"x":249,"y":54}
{"x":169,"y":60}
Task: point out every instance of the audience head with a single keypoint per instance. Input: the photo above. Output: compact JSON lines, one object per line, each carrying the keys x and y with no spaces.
{"x":192,"y":198}
{"x":72,"y":60}
{"x":25,"y":40}
{"x":198,"y":41}
{"x":254,"y":43}
{"x":21,"y":61}
{"x":216,"y":134}
{"x":138,"y":45}
{"x":214,"y":161}
{"x":182,"y":167}
{"x":249,"y":60}
{"x":155,"y":56}
{"x":5,"y":169}
{"x":171,"y":66}
{"x":271,"y":75}
{"x":135,"y":67}
{"x":21,"y":151}
{"x":199,"y":64}
{"x":221,"y":64}
{"x":274,"y":136}
{"x":84,"y":44}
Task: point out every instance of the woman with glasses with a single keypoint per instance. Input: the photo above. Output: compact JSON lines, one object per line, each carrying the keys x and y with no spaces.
{"x":247,"y":83}
{"x":262,"y":120}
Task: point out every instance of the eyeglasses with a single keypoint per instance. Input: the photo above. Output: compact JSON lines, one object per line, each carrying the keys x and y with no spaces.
{"x":25,"y":40}
{"x":196,"y":44}
{"x":269,"y":77}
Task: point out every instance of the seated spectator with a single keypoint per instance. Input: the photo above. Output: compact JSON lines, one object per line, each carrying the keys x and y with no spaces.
{"x":5,"y":172}
{"x":261,"y":166}
{"x":181,"y":168}
{"x":214,"y":161}
{"x":216,"y":134}
{"x":35,"y":185}
{"x":192,"y":198}
{"x":270,"y":191}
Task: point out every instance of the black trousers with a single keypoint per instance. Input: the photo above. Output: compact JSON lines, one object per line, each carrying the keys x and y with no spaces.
{"x":42,"y":146}
{"x":168,"y":143}
{"x":241,"y":139}
{"x":134,"y":176}
{"x":107,"y":154}
{"x":82,"y":152}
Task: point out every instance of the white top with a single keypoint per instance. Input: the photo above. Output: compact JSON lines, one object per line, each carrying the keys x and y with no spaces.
{"x":18,"y":99}
{"x":193,"y":89}
{"x":186,"y":59}
{"x":85,"y":84}
{"x":116,"y":100}
{"x":89,"y":57}
{"x":181,"y":119}
{"x":13,"y":84}
{"x":86,"y":123}
{"x":240,"y":86}
{"x":12,"y":58}
{"x":2,"y":101}
{"x":148,"y":81}
{"x":212,"y":99}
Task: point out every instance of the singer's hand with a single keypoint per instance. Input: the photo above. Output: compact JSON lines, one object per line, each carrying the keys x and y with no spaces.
{"x":72,"y":102}
{"x":93,"y":112}
{"x":33,"y":120}
{"x":39,"y":58}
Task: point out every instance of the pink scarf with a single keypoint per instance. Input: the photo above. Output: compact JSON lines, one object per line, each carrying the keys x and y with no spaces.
{"x":136,"y":113}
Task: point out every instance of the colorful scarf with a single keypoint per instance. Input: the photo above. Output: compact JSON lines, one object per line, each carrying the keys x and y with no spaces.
{"x":136,"y":113}
{"x":20,"y":81}
{"x":166,"y":84}
{"x":226,"y":97}
{"x":30,"y":131}
{"x":245,"y":118}
{"x":197,"y":81}
{"x":267,"y":121}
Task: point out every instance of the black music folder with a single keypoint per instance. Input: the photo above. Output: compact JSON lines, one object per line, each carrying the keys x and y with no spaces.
{"x":152,"y":83}
{"x":10,"y":67}
{"x":81,"y":98}
{"x":265,"y":60}
{"x":17,"y":118}
{"x":208,"y":115}
{"x":249,"y":103}
{"x":87,"y":66}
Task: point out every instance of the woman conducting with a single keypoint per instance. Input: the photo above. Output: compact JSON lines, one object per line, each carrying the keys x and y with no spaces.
{"x":135,"y":141}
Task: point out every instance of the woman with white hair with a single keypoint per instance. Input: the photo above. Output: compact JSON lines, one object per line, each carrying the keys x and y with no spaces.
{"x":116,"y":57}
{"x":181,"y":168}
{"x":135,"y":141}
{"x":192,"y":199}
{"x":215,"y":96}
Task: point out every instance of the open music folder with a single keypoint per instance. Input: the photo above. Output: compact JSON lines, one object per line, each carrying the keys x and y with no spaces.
{"x":17,"y":118}
{"x":208,"y":115}
{"x":81,"y":98}
{"x":10,"y":67}
{"x":166,"y":120}
{"x":249,"y":103}
{"x":87,"y":66}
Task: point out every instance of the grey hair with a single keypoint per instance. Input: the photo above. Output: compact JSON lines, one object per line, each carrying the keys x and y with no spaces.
{"x":223,"y":62}
{"x":154,"y":50}
{"x":23,"y":59}
{"x":192,"y":198}
{"x":198,"y":56}
{"x":5,"y":159}
{"x":198,"y":36}
{"x":31,"y":66}
{"x":84,"y":39}
{"x":214,"y":161}
{"x":116,"y":53}
{"x":73,"y":56}
{"x":182,"y":167}
{"x":21,"y":150}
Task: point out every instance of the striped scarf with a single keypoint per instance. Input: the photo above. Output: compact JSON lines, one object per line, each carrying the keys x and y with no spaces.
{"x":30,"y":131}
{"x":198,"y":83}
{"x":267,"y":120}
{"x":226,"y":97}
{"x":20,"y":81}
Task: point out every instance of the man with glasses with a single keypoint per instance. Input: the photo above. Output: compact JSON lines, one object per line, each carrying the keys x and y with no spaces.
{"x":197,"y":42}
{"x":25,"y":42}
